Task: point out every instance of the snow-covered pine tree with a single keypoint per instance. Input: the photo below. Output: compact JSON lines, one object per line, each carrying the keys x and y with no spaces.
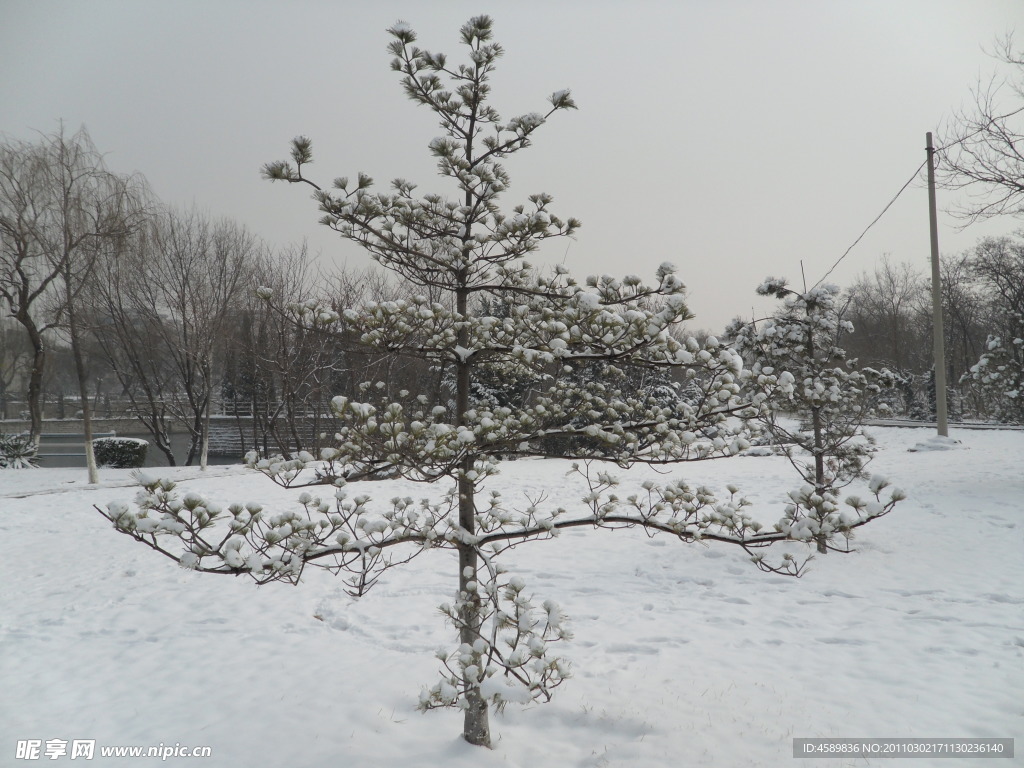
{"x":465,"y":250}
{"x":799,"y":370}
{"x":997,"y":266}
{"x":998,"y":376}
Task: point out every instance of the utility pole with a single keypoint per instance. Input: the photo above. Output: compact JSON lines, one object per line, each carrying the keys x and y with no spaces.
{"x":937,"y":325}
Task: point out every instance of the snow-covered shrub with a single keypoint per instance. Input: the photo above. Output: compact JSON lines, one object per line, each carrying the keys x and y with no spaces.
{"x":17,"y":451}
{"x":997,"y":379}
{"x":909,"y":395}
{"x":120,"y":452}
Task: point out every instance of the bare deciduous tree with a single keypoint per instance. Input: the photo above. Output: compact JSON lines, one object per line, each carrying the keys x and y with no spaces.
{"x":59,"y":208}
{"x":168,"y":297}
{"x":982,"y":148}
{"x":886,"y":309}
{"x":128,"y":333}
{"x":15,"y":360}
{"x":26,"y":275}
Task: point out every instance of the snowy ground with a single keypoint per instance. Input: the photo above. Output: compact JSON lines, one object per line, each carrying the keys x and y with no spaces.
{"x":684,"y":655}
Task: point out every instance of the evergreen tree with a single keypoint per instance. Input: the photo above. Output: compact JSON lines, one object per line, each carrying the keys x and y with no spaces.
{"x":997,"y":264}
{"x":463,"y":252}
{"x":799,"y":369}
{"x":998,"y":376}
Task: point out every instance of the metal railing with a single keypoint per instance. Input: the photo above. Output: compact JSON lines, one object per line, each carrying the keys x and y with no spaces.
{"x":68,"y":437}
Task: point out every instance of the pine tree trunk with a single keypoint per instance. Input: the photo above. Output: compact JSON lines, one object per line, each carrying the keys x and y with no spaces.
{"x":476,"y":727}
{"x":819,"y":469}
{"x":819,"y":448}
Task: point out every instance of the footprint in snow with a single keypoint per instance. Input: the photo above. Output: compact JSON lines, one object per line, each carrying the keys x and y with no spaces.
{"x":840,"y":641}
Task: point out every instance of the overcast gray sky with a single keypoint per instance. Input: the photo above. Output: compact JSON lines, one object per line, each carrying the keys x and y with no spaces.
{"x":733,"y":138}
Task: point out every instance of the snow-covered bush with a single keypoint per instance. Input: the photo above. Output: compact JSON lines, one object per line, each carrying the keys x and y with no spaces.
{"x":998,"y":379}
{"x":551,"y":329}
{"x":17,"y":451}
{"x":120,"y":452}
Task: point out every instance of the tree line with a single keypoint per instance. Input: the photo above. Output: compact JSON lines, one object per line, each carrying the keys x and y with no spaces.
{"x":982,"y":291}
{"x":127,"y":305}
